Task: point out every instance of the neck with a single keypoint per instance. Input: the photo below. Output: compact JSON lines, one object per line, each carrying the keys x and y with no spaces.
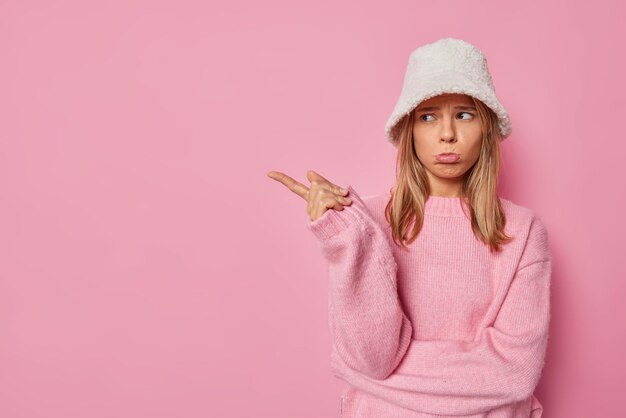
{"x":445,"y":187}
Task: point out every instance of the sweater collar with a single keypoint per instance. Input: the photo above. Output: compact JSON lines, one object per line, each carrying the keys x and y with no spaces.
{"x":446,"y":206}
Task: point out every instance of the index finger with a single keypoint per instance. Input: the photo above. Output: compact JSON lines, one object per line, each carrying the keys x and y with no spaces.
{"x":292,"y":184}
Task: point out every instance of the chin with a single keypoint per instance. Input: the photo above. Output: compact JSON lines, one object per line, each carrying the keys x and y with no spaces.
{"x":450,"y":175}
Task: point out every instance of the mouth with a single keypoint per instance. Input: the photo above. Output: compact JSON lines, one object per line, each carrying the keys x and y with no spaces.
{"x":447,"y":157}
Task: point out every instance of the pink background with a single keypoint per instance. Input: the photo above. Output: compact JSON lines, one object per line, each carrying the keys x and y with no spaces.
{"x":148,"y":267}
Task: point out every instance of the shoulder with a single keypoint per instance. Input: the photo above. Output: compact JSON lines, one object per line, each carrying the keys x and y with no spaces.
{"x":515,"y":211}
{"x":374,"y":201}
{"x":530,"y":228}
{"x":520,"y":216}
{"x":375,"y":204}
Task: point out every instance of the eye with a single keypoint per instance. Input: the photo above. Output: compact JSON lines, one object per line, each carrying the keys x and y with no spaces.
{"x":426,"y":114}
{"x":467,"y":113}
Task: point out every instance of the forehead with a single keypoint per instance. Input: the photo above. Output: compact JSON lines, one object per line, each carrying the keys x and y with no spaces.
{"x":447,"y":98}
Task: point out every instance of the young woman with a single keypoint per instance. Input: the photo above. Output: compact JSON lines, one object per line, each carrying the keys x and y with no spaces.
{"x":439,"y":291}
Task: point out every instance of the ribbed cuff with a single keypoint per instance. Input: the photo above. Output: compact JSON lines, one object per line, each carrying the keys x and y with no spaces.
{"x":333,"y":222}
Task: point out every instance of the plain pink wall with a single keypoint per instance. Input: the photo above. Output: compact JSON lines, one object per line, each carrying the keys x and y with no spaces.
{"x":148,"y":267}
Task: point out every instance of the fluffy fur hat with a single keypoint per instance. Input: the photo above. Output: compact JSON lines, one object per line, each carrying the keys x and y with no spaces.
{"x":448,"y":65}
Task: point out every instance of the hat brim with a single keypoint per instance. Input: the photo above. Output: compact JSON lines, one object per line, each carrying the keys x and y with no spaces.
{"x":417,"y":90}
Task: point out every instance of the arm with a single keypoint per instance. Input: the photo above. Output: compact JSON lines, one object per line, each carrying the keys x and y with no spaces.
{"x":460,"y":378}
{"x":368,"y":327}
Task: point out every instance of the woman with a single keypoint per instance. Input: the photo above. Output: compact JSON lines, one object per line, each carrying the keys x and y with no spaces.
{"x":439,"y":291}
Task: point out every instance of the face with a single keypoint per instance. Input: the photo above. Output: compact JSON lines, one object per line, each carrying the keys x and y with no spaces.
{"x":448,"y":123}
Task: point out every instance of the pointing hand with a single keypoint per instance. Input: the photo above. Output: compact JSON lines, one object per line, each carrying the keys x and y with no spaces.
{"x":321,"y":196}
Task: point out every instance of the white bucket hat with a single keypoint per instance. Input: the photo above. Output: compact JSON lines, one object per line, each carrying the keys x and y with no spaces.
{"x":448,"y":65}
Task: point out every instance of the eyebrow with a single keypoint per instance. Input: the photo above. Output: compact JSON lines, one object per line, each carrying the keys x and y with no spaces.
{"x":424,"y":109}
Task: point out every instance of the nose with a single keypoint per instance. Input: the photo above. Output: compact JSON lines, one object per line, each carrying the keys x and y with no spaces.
{"x":447,"y":130}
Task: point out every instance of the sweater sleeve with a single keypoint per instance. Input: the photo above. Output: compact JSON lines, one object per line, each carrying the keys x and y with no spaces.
{"x":367,"y":324}
{"x":446,"y":377}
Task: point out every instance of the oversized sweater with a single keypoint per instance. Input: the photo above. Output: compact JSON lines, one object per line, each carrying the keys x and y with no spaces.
{"x":442,"y":329}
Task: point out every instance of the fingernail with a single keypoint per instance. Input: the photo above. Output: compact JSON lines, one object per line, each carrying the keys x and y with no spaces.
{"x":342,"y":190}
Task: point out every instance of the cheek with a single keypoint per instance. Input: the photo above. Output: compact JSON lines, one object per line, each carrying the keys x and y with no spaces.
{"x":475,"y":143}
{"x":475,"y":137}
{"x":422,"y":138}
{"x":422,"y":148}
{"x":473,"y":130}
{"x":473,"y":153}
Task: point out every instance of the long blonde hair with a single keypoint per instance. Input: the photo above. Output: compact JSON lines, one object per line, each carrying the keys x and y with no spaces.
{"x":412,"y":189}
